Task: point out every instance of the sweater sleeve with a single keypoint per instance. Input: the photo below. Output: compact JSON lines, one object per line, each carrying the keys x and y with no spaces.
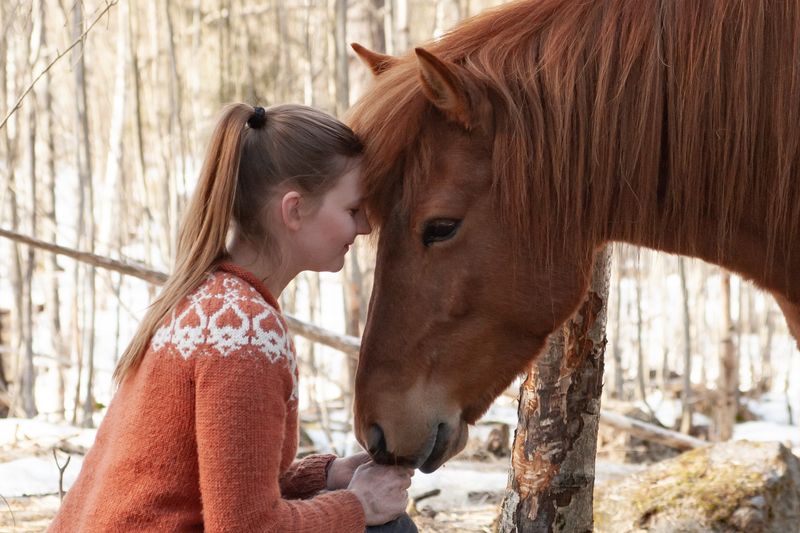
{"x":306,"y":476}
{"x":241,"y":411}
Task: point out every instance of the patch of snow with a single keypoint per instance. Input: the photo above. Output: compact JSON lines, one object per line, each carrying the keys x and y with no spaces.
{"x":605,"y":471}
{"x":772,"y":407}
{"x":34,"y":476}
{"x":497,"y":412}
{"x":19,"y":430}
{"x":456,"y":479}
{"x":763,"y":431}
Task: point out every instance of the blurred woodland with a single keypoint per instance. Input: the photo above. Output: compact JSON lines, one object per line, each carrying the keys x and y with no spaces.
{"x":106,"y":107}
{"x":105,"y":110}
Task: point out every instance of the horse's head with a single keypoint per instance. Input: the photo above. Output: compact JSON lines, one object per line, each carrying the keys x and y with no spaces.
{"x":459,"y":306}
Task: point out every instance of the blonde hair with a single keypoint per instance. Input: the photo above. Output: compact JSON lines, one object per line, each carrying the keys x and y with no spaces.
{"x":298,"y":146}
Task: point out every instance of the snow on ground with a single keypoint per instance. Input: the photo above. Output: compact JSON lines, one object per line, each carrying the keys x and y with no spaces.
{"x":21,"y":431}
{"x":764,"y":431}
{"x":27,"y":466}
{"x":456,"y":480}
{"x":773,"y":407}
{"x":31,"y":476}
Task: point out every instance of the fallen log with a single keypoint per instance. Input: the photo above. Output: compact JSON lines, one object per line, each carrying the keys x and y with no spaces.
{"x":650,"y":432}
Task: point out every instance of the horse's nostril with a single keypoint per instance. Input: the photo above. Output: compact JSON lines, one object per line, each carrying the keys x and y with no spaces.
{"x":376,"y":442}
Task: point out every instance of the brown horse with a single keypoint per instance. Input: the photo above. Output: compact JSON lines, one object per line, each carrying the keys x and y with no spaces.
{"x":501,"y":157}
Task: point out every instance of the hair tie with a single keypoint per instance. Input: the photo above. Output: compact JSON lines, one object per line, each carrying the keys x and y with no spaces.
{"x":258,"y":118}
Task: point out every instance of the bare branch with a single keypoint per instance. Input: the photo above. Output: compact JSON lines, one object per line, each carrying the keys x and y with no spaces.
{"x":151,"y":276}
{"x":61,"y":473}
{"x":345,"y":343}
{"x":18,"y":104}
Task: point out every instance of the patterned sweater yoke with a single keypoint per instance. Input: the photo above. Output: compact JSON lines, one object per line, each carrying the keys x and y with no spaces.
{"x":203,"y":434}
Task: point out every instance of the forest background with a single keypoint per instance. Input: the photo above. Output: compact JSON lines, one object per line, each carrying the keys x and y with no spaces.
{"x":106,"y":107}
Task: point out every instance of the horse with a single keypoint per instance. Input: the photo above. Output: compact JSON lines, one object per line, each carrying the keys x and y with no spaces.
{"x":500,"y":158}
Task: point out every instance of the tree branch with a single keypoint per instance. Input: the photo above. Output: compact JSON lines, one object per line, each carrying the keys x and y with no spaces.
{"x":18,"y":104}
{"x":344,"y":343}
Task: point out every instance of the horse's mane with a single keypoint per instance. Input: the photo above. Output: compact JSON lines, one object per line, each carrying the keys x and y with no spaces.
{"x":689,"y":109}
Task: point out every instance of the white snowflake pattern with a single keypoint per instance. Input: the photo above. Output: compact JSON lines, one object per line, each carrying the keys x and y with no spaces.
{"x":265,"y":332}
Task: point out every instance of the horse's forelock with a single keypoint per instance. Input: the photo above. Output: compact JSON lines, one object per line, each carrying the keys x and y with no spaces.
{"x":388,"y":119}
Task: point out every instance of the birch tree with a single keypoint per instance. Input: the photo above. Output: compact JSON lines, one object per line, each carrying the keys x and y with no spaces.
{"x":9,"y":192}
{"x":28,"y":374}
{"x":728,"y":380}
{"x":85,"y":222}
{"x":686,"y":394}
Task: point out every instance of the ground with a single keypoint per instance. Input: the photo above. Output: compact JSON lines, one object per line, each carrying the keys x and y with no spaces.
{"x":35,"y":513}
{"x":468,"y":501}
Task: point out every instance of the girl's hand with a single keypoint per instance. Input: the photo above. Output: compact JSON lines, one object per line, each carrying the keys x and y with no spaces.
{"x":382,"y":491}
{"x":341,"y":470}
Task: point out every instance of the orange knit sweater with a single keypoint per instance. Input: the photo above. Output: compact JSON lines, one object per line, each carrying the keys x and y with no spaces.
{"x":202,"y":436}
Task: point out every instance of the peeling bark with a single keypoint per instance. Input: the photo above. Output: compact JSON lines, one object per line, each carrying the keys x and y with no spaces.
{"x":551,"y":486}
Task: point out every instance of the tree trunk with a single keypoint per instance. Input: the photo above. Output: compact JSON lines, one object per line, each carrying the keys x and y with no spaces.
{"x":319,"y":404}
{"x":619,"y":381}
{"x":177,"y":135}
{"x":115,"y":182}
{"x":448,"y":13}
{"x":308,"y":48}
{"x":641,"y":368}
{"x":666,"y":330}
{"x":53,"y":297}
{"x":765,"y":380}
{"x":702,"y":302}
{"x":728,"y":380}
{"x":377,"y":25}
{"x":342,"y":70}
{"x":786,"y":382}
{"x":141,"y":167}
{"x":28,"y":374}
{"x":87,"y":208}
{"x":388,"y":27}
{"x":686,"y":395}
{"x":551,"y":486}
{"x":351,"y":285}
{"x":402,"y":35}
{"x":224,"y":37}
{"x":9,"y":192}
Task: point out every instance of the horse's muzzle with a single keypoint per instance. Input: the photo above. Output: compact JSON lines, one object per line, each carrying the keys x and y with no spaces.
{"x":428,"y":459}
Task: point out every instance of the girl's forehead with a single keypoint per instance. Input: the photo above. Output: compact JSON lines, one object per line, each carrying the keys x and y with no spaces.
{"x":349,"y":183}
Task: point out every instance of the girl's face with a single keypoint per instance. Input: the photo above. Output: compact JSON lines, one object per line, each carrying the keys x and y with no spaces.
{"x":326,"y":232}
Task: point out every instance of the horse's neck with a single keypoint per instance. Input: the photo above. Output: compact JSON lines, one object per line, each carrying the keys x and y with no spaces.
{"x":745,"y":251}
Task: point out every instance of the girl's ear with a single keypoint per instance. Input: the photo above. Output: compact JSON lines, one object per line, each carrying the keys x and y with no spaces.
{"x":291,"y":214}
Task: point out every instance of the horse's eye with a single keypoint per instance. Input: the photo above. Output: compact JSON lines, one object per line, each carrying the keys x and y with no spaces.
{"x":440,"y":229}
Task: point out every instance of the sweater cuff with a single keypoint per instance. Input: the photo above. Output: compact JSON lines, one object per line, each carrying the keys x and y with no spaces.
{"x":315,"y":469}
{"x":306,"y":476}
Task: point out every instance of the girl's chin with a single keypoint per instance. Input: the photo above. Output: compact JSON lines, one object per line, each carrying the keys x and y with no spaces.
{"x":334,"y":266}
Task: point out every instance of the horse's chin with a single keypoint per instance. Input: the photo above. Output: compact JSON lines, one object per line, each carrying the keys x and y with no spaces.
{"x":449,"y":441}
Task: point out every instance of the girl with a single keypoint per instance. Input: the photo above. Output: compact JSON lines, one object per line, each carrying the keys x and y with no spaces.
{"x":202,"y":432}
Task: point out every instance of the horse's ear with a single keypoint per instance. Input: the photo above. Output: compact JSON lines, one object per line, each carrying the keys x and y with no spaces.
{"x":376,"y":61}
{"x":445,"y":89}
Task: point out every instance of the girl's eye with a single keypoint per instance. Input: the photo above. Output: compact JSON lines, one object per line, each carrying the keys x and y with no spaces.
{"x":353,"y":212}
{"x":440,"y":229}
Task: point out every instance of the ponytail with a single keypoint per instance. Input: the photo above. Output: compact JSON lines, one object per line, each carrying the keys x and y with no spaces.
{"x":252,"y":152}
{"x":203,"y":230}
